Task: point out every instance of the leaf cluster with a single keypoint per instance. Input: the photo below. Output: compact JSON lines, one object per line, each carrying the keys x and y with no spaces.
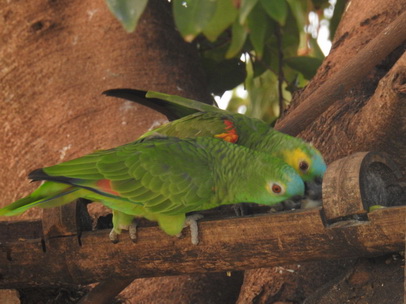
{"x":262,"y":44}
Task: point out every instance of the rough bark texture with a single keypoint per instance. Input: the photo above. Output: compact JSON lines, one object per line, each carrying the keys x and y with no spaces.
{"x":56,"y":58}
{"x":371,"y":116}
{"x":209,"y":288}
{"x":268,"y":240}
{"x":346,"y":78}
{"x":364,"y":119}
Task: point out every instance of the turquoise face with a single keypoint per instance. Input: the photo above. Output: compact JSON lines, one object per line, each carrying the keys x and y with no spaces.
{"x":307,"y":162}
{"x":318,"y":166}
{"x":295,"y":186}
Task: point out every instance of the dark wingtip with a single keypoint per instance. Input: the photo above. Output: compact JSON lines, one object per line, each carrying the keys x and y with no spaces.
{"x":125,"y":93}
{"x":37,"y":174}
{"x":139,"y":96}
{"x":41,"y":175}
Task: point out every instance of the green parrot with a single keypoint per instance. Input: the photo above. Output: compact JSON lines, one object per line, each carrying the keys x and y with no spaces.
{"x":162,"y":178}
{"x":190,"y":118}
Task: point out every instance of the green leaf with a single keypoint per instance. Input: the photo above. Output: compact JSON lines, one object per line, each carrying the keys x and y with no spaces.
{"x":335,"y":20}
{"x":294,"y":79}
{"x":258,"y":24}
{"x":264,"y":96}
{"x":306,"y":65}
{"x":236,"y":103}
{"x":127,"y":12}
{"x":245,"y":9}
{"x":239,"y":35}
{"x":260,"y":66}
{"x":276,"y":9}
{"x":290,"y":36}
{"x":376,"y":207}
{"x":299,"y":9}
{"x":224,"y":16}
{"x":191,"y":16}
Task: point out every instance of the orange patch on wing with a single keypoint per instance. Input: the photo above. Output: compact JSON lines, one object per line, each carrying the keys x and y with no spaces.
{"x":105,"y":185}
{"x":230,"y":133}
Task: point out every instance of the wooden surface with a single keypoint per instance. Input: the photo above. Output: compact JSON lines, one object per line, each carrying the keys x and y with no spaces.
{"x":225,"y":245}
{"x":357,"y":182}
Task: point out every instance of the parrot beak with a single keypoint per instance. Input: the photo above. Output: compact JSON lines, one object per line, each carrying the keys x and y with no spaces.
{"x":313,"y":189}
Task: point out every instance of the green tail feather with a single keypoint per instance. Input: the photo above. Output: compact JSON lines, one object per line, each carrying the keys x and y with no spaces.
{"x":48,"y":195}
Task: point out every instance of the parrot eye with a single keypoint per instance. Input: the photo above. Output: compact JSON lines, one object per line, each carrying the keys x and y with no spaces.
{"x":276,"y":189}
{"x":303,"y":166}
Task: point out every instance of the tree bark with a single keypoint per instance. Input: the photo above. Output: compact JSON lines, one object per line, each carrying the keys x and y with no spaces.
{"x":56,"y":58}
{"x":390,"y":38}
{"x":226,"y":245}
{"x":366,"y":117}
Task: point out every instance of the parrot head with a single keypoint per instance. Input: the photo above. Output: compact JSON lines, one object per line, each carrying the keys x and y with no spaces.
{"x":306,"y":160}
{"x":280,"y":191}
{"x":272,"y":181}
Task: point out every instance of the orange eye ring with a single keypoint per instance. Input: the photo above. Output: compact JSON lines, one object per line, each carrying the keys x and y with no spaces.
{"x":303,"y":166}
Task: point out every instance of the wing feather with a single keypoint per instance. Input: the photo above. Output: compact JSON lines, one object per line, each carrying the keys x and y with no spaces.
{"x":161,"y":175}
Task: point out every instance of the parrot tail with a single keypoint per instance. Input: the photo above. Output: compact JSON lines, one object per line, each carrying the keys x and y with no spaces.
{"x":49,"y":194}
{"x":172,"y":106}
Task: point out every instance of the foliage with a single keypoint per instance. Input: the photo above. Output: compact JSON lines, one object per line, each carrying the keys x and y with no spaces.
{"x":127,"y":11}
{"x":280,"y":54}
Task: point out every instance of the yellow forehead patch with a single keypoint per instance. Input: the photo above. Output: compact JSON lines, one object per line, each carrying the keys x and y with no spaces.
{"x":294,"y":157}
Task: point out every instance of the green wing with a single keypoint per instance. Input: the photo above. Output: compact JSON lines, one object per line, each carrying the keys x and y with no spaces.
{"x":167,"y":177}
{"x":201,"y":124}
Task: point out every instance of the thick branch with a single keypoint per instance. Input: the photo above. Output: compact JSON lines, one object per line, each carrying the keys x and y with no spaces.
{"x":384,"y":115}
{"x":349,"y":75}
{"x":106,"y":291}
{"x":232,"y":244}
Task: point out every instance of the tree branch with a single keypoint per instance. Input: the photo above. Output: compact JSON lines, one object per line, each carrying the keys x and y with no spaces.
{"x":231,"y":244}
{"x":357,"y":68}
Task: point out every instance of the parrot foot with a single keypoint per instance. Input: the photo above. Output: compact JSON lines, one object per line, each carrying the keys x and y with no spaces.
{"x":113,"y":236}
{"x":241,"y":209}
{"x":132,"y":230}
{"x":191,"y":221}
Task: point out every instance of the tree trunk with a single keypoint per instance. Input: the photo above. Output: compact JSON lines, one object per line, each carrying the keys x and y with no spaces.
{"x":56,"y":59}
{"x":371,"y":116}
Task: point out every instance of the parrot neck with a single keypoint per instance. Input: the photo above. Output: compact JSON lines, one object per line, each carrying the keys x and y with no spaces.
{"x":232,"y":187}
{"x":263,"y":138}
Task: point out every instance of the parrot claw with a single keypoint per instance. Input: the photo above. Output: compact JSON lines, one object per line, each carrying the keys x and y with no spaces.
{"x":132,"y":230}
{"x":191,"y":221}
{"x":113,"y":236}
{"x":241,"y":209}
